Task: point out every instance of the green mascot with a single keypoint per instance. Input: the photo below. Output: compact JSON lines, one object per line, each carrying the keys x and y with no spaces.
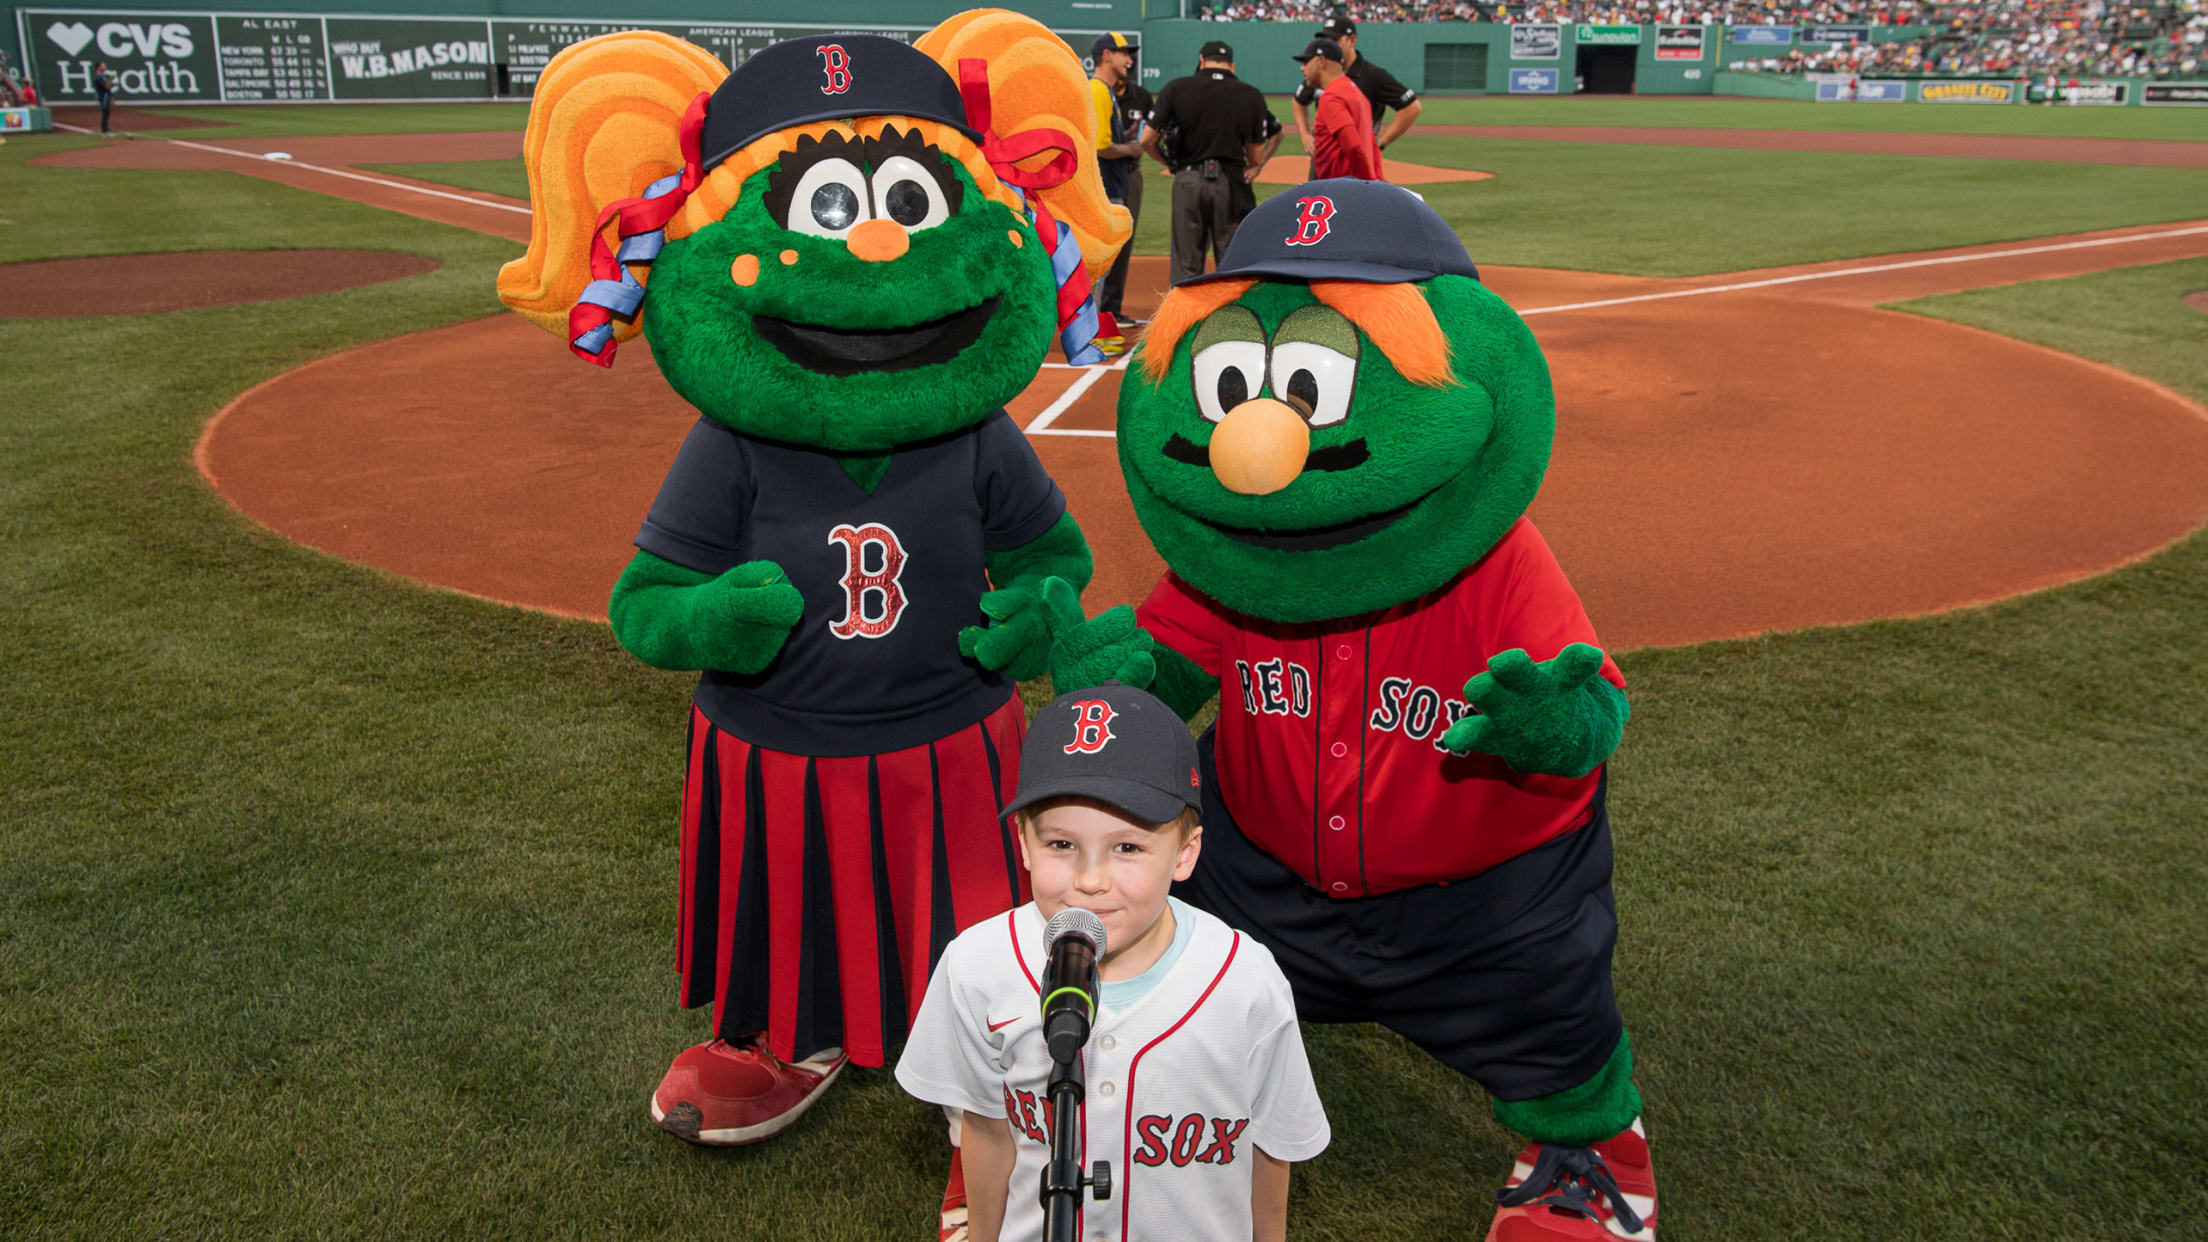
{"x":857,"y":250}
{"x":1332,"y":441}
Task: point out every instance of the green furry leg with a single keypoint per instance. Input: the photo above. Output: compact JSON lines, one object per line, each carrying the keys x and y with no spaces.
{"x":1582,"y":1115}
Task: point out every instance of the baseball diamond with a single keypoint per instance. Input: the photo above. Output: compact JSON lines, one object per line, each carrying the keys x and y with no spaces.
{"x":329,"y":804}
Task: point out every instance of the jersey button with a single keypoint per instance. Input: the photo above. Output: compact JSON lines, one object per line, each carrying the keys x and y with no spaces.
{"x":1336,"y":823}
{"x":1104,"y":1090}
{"x":1108,"y":1043}
{"x":1339,"y":749}
{"x":1340,"y":887}
{"x":1342,"y":652}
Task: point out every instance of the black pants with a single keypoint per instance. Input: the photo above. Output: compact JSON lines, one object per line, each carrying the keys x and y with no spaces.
{"x":1206,"y":211}
{"x":1113,"y":291}
{"x":1503,"y":976}
{"x":107,"y":104}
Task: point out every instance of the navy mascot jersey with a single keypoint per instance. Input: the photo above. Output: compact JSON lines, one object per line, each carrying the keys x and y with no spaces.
{"x":889,"y":577}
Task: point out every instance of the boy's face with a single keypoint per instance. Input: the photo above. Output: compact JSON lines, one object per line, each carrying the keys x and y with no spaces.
{"x":1082,"y":855}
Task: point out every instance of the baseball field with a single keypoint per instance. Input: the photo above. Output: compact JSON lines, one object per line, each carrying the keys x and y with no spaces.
{"x":337,"y":836}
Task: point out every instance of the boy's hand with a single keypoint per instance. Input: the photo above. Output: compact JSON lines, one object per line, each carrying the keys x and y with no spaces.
{"x":1522,"y":706}
{"x":1112,"y":647}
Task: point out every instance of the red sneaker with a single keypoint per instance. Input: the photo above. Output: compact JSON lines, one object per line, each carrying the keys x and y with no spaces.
{"x":721,"y":1094}
{"x":951,"y":1224}
{"x":1580,"y":1194}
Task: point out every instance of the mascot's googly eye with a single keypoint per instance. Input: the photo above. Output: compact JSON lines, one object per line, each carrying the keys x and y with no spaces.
{"x":906,"y":192}
{"x":1228,"y":374}
{"x":829,"y":199}
{"x":1316,"y":377}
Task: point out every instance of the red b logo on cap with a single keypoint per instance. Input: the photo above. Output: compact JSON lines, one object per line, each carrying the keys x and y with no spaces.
{"x":836,"y":63}
{"x":1314,"y":220}
{"x":1092,"y":726}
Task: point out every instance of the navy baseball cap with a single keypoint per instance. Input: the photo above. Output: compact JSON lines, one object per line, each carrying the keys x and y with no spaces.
{"x":825,"y":78}
{"x":1325,"y":48}
{"x":1343,"y":229}
{"x":1215,"y":50}
{"x":1113,"y":743}
{"x":1112,"y":41}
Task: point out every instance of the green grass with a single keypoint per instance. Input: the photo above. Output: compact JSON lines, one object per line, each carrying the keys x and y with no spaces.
{"x":330,"y":905}
{"x":506,"y":177}
{"x":1714,"y":112}
{"x":301,"y":120}
{"x":1682,"y":211}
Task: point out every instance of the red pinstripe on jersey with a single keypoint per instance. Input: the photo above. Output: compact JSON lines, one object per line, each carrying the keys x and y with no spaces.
{"x":1127,"y":1137}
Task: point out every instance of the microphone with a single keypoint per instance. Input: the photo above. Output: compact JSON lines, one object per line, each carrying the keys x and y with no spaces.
{"x":1072,"y":943}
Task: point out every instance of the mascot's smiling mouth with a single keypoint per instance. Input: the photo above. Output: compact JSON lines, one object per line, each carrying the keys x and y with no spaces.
{"x":1319,"y":538}
{"x":837,"y":351}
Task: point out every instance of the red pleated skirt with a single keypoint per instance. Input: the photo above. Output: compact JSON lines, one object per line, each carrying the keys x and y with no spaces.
{"x":818,"y":892}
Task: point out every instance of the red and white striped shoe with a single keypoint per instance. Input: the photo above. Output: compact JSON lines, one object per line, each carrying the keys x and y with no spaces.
{"x":1602,"y":1193}
{"x":722,"y":1094}
{"x":951,"y":1223}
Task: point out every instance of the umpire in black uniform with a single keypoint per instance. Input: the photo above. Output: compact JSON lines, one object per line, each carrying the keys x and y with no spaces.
{"x":1215,"y":132}
{"x":1383,"y":90}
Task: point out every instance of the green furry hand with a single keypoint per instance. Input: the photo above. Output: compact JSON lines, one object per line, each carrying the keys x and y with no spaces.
{"x":1112,"y":647}
{"x":1017,"y":638}
{"x":759,"y":608}
{"x":1557,"y":717}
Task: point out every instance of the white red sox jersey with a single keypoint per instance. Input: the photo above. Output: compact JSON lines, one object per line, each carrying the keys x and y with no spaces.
{"x":1184,"y":1084}
{"x":1329,"y":735}
{"x":889,"y":576}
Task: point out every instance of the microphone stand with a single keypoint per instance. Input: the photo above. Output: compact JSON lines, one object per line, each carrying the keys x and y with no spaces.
{"x":1062,"y":1179}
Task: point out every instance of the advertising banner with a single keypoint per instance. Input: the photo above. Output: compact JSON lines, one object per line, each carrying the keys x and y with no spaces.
{"x":25,"y":121}
{"x":1836,"y":89}
{"x":2175,"y":95}
{"x":1679,"y":43}
{"x":2100,"y":94}
{"x":521,"y":49}
{"x":409,"y":58}
{"x":1967,"y":92}
{"x":155,"y":57}
{"x":1607,"y":36}
{"x":1763,"y":36}
{"x":1533,"y":81}
{"x":1536,"y":41}
{"x":1836,"y":34}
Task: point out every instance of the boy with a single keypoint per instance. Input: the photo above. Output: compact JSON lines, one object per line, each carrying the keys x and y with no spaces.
{"x":1199,"y":1095}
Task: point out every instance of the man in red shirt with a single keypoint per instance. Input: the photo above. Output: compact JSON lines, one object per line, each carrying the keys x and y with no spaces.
{"x":1341,"y":126}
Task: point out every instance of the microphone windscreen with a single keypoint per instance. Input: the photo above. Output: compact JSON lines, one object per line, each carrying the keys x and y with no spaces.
{"x":1075,"y":921}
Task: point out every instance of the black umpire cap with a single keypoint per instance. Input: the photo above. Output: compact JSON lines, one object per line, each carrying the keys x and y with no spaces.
{"x":824,"y":78}
{"x":1116,"y":744}
{"x":1215,"y":50}
{"x":1326,"y":49}
{"x":1339,"y":28}
{"x":1343,"y":228}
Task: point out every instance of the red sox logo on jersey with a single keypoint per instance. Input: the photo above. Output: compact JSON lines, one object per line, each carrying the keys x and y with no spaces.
{"x":1092,"y":726}
{"x":836,"y":64}
{"x":1187,"y":1144}
{"x":1314,"y":220}
{"x":862,"y":586}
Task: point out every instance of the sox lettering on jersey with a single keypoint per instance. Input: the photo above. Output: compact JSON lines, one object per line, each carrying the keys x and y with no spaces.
{"x":1092,"y":726}
{"x":860,"y":584}
{"x":1183,"y":1142}
{"x":836,"y":64}
{"x":1314,"y":220}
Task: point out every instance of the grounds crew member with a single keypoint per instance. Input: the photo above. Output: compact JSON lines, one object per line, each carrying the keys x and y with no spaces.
{"x":1332,"y":442}
{"x":1341,"y":127}
{"x":1215,"y":132}
{"x":1382,"y":89}
{"x":1119,"y":159}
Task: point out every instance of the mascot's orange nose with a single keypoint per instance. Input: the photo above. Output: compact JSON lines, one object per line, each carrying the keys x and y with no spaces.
{"x":1259,"y":447}
{"x":879,"y":240}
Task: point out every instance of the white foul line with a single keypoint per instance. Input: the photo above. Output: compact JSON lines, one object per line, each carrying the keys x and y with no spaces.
{"x":334,"y":172}
{"x":1042,"y":424}
{"x":1865,"y":271}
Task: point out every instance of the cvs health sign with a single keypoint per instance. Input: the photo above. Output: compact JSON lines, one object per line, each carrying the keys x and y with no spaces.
{"x":154,"y":57}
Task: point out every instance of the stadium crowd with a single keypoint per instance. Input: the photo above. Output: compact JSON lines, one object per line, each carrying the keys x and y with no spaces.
{"x":2065,"y":38}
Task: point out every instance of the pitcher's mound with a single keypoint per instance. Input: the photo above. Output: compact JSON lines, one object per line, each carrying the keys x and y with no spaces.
{"x":144,"y":284}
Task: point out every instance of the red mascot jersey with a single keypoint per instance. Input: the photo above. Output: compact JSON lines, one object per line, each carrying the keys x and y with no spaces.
{"x":1329,"y":734}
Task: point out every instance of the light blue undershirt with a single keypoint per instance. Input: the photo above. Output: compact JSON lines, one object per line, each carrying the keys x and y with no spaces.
{"x":1120,"y":993}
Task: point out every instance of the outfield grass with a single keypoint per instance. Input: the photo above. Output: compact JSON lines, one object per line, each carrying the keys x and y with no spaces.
{"x":1719,"y":112}
{"x":507,"y":177}
{"x":332,"y":905}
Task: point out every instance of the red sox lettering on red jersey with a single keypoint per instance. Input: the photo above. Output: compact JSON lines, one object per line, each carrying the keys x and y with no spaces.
{"x":1281,"y":687}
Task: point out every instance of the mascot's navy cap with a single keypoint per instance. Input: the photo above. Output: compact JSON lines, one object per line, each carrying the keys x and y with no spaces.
{"x":824,"y":78}
{"x":1343,"y":229}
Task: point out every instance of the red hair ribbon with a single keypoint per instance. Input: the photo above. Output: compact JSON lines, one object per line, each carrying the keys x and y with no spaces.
{"x":637,"y":216}
{"x":1004,"y":155}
